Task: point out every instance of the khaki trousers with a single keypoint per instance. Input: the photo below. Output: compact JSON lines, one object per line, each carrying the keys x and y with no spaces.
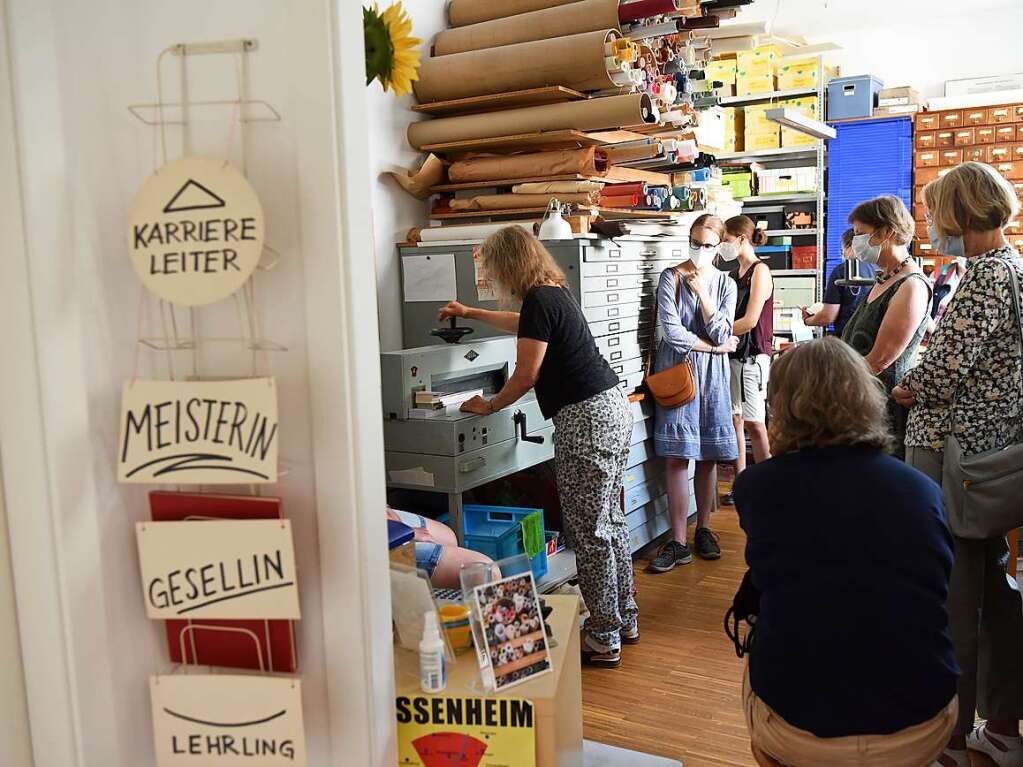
{"x":776,"y":743}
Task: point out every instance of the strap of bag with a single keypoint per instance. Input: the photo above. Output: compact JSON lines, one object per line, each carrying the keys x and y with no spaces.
{"x":657,"y":322}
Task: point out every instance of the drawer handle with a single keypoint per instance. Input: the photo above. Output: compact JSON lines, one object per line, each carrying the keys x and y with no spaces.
{"x":612,"y":268}
{"x":612,"y":296}
{"x":646,"y":267}
{"x":619,"y":369}
{"x":614,"y":254}
{"x":612,"y":312}
{"x":648,"y":253}
{"x":615,"y":356}
{"x":612,"y":283}
{"x":472,"y":464}
{"x":614,"y":326}
{"x":614,"y":341}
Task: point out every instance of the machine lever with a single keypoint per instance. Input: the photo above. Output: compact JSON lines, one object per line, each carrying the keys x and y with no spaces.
{"x":520,"y":419}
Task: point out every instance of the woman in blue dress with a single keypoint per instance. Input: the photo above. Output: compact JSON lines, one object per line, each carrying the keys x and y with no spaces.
{"x":695,"y":308}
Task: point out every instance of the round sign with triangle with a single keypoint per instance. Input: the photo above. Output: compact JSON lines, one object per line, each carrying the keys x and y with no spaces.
{"x":195,"y":231}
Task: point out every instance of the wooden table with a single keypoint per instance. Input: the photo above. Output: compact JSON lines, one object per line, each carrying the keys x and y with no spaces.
{"x":556,"y":696}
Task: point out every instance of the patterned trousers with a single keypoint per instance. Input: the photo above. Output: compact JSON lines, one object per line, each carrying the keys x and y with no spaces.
{"x":591,"y":448}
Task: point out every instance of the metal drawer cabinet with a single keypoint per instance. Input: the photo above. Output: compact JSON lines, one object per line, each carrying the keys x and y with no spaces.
{"x":600,"y":268}
{"x":616,"y":311}
{"x":621,"y":346}
{"x":611,"y":297}
{"x":617,"y":282}
{"x":634,"y":324}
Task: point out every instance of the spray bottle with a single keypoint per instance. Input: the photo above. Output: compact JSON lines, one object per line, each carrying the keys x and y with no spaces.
{"x":432,"y":672}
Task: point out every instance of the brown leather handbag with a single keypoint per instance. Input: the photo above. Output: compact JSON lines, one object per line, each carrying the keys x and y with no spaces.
{"x":675,"y":386}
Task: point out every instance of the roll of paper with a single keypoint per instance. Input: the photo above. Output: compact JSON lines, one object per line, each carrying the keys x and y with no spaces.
{"x":463,"y":12}
{"x":571,"y":19}
{"x":619,"y":155}
{"x":576,"y":62}
{"x":558,"y":187}
{"x":633,"y":187}
{"x":621,"y":200}
{"x":642,"y":9}
{"x":465,"y":231}
{"x":588,"y":161}
{"x":589,"y":115}
{"x":512,"y":201}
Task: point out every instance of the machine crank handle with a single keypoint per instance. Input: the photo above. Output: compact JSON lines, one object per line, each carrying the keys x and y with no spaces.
{"x":520,"y":419}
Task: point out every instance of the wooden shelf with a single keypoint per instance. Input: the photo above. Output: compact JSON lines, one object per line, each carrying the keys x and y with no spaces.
{"x":557,"y":139}
{"x":551,"y":94}
{"x":770,"y":199}
{"x":790,"y":232}
{"x":610,"y":213}
{"x":512,"y":182}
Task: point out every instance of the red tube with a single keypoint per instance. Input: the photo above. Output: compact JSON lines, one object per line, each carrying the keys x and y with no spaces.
{"x":618,"y":190}
{"x":641,"y":9}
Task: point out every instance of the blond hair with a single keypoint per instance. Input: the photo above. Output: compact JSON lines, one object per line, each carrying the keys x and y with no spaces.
{"x":822,"y":394}
{"x":972,"y":197}
{"x":518,"y":262}
{"x":886,"y":212}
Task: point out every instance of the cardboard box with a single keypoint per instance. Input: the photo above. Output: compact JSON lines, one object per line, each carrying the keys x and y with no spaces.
{"x":796,"y":73}
{"x":747,"y":84}
{"x":809,"y":106}
{"x":759,"y":140}
{"x":725,"y":91}
{"x":735,"y":122}
{"x":722,"y":69}
{"x":804,"y":256}
{"x":755,"y":119}
{"x":759,"y":61}
{"x":897,"y":111}
{"x":901,"y":96}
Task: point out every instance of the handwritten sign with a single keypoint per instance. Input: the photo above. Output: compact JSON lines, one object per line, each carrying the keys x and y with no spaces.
{"x":441,"y":730}
{"x":201,"y":432}
{"x":218,"y":569}
{"x":227,"y":721}
{"x":195,"y":231}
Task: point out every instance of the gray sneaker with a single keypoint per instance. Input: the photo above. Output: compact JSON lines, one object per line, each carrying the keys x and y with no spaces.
{"x":673,"y":553}
{"x":706,"y":544}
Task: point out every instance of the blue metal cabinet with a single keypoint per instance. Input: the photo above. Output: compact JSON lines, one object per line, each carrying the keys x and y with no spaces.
{"x":868,"y":158}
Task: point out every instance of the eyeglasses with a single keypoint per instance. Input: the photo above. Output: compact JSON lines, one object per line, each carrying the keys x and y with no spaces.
{"x":701,"y":245}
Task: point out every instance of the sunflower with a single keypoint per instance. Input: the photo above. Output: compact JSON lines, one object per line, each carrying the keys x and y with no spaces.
{"x":391,"y":53}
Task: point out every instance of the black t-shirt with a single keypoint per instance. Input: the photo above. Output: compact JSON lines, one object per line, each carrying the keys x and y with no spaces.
{"x":572,"y":370}
{"x":847,"y":298}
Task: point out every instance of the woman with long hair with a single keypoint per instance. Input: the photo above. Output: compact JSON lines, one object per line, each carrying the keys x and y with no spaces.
{"x":575,"y":387}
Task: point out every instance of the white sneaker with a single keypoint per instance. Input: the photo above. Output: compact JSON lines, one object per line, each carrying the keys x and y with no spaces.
{"x":1004,"y":750}
{"x":960,"y":758}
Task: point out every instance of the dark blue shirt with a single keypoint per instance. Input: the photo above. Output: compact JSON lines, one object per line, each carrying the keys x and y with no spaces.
{"x":846,"y":298}
{"x":851,"y":554}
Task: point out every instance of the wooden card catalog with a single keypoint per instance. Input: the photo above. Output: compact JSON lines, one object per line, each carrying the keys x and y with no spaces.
{"x":201,"y":432}
{"x":227,"y":721}
{"x":218,"y":569}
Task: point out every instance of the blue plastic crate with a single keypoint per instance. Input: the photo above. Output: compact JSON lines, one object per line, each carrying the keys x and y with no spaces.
{"x":852,"y":97}
{"x":495,"y":531}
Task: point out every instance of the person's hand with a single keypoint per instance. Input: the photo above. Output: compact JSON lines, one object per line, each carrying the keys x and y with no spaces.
{"x":729,"y":346}
{"x":903,"y":395}
{"x":477,"y":405}
{"x":452,"y":309}
{"x":807,"y":314}
{"x":697,"y":285}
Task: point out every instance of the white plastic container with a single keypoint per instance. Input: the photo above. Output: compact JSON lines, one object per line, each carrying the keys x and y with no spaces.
{"x":432,"y":670}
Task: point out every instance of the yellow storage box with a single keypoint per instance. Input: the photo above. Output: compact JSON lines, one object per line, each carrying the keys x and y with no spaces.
{"x":760,"y":61}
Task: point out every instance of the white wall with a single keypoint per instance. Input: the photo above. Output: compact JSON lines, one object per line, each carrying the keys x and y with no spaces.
{"x":920,"y":43}
{"x":395,"y":211}
{"x":15,"y":743}
{"x":75,"y":67}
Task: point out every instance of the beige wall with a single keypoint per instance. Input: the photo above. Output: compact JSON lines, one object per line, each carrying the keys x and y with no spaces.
{"x":15,"y":747}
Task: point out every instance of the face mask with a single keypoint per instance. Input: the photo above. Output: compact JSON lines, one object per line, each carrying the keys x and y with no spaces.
{"x":947,"y":246}
{"x":701,"y":256}
{"x":864,"y":251}
{"x":728,"y":251}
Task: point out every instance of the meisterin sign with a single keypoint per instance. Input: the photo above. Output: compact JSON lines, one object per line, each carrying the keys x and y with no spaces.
{"x":195,"y":231}
{"x":218,"y":569}
{"x":201,"y":432}
{"x":227,"y":720}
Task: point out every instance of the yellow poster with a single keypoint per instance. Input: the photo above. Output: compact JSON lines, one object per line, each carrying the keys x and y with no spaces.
{"x":442,"y":731}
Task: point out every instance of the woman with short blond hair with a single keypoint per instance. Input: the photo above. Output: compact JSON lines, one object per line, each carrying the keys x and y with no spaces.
{"x":576,"y":388}
{"x":850,"y":662}
{"x":968,"y":383}
{"x":890,"y":322}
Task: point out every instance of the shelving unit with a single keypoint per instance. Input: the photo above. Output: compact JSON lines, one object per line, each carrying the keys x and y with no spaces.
{"x":790,"y":232}
{"x":800,"y":155}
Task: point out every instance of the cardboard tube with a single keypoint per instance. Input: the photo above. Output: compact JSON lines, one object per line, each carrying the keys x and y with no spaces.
{"x":588,"y":161}
{"x":571,"y":19}
{"x":463,"y":12}
{"x":590,"y":115}
{"x":618,"y":155}
{"x":557,"y":187}
{"x":464,"y":231}
{"x":576,"y":62}
{"x":512,"y":201}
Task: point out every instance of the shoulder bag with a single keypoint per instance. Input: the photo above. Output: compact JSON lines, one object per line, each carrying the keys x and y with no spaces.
{"x":983,"y":491}
{"x":675,"y":386}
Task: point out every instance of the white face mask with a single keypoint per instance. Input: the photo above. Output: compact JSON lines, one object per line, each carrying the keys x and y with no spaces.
{"x":729,"y":251}
{"x":702,"y":255}
{"x":864,"y":251}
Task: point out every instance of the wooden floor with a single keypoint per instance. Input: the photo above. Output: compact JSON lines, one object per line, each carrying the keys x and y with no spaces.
{"x":676,"y":693}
